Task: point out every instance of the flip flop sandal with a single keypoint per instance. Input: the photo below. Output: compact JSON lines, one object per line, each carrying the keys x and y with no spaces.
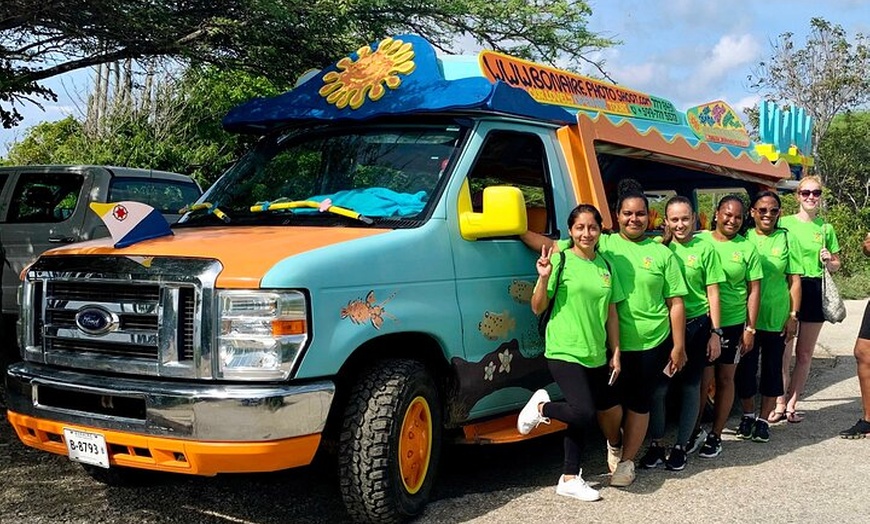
{"x":794,"y":417}
{"x":776,"y":417}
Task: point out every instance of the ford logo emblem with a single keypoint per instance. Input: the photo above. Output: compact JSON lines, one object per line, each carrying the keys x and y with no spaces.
{"x":95,"y":320}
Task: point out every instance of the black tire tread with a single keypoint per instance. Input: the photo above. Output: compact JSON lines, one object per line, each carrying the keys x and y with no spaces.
{"x":366,"y":474}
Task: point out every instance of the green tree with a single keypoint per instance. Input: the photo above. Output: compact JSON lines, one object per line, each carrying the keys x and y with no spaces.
{"x":829,"y":75}
{"x":278,"y":39}
{"x":171,"y":125}
{"x":846,"y":154}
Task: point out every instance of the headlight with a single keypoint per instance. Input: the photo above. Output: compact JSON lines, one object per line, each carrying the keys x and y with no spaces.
{"x":262,"y":333}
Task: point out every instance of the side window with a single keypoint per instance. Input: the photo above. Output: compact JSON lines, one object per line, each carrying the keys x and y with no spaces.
{"x":166,"y":196}
{"x":44,"y":197}
{"x":707,"y":199}
{"x":510,"y":158}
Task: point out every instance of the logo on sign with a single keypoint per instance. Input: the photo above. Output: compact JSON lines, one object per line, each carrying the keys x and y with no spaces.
{"x":95,"y":320}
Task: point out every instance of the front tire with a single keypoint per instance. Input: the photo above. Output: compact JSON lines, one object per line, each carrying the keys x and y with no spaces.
{"x":390,"y":442}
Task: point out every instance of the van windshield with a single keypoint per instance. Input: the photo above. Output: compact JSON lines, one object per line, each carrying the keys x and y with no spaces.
{"x":387,"y":174}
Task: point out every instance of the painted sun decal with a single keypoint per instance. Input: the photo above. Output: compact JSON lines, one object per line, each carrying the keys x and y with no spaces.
{"x":354,"y":80}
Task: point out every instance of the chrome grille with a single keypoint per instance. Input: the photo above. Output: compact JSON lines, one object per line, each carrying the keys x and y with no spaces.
{"x":156,"y":311}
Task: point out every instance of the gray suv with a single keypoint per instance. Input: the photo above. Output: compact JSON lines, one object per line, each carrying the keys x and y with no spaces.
{"x":46,"y":206}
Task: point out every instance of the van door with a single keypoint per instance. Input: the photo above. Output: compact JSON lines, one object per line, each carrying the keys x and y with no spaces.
{"x":44,"y":211}
{"x":495,"y":277}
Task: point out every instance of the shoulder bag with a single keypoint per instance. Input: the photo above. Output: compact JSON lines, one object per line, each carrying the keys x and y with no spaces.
{"x":832,"y":304}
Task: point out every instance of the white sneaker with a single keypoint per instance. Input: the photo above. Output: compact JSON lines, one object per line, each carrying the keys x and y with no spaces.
{"x":577,"y":488}
{"x":530,"y":417}
{"x":614,"y":456}
{"x":624,"y":474}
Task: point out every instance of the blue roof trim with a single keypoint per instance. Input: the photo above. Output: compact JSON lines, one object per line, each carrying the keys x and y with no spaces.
{"x":424,"y":90}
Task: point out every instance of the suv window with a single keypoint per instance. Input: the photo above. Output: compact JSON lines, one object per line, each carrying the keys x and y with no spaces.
{"x":511,"y":158}
{"x":166,"y":196}
{"x":44,"y":197}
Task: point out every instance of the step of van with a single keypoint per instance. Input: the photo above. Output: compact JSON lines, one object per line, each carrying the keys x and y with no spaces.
{"x":504,"y":431}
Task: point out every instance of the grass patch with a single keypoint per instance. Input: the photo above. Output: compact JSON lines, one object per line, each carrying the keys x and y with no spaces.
{"x":855,"y":286}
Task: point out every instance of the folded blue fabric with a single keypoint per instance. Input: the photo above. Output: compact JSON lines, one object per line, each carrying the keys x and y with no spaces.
{"x":376,"y":202}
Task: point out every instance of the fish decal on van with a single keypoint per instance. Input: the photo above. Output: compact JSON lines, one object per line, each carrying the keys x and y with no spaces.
{"x":360,"y":310}
{"x":495,"y":326}
{"x":521,"y":291}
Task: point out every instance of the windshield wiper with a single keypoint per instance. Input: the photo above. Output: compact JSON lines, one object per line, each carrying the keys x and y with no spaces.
{"x":211,"y":208}
{"x":324,"y":207}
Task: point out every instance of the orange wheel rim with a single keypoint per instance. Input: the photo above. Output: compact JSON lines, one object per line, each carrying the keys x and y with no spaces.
{"x":415,"y":445}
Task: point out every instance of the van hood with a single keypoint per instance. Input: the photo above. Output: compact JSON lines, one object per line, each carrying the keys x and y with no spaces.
{"x":246,"y":253}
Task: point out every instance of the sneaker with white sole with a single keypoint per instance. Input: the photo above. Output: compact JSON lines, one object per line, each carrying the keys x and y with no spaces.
{"x":624,"y":474}
{"x":699,"y":436}
{"x":614,"y":456}
{"x":676,"y":459}
{"x":744,"y":430}
{"x":577,"y":488}
{"x":530,"y":417}
{"x":712,"y":446}
{"x":654,"y":457}
{"x":761,"y":431}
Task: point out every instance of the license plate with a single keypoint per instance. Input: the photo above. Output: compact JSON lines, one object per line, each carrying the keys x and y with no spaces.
{"x":86,"y":447}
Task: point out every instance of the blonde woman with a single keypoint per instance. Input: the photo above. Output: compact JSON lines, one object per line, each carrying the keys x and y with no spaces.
{"x":818,"y":250}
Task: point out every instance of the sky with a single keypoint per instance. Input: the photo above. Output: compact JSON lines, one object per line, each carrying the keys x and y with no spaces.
{"x":687,"y":51}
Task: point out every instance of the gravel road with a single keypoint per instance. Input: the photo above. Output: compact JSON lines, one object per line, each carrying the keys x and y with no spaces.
{"x":804,"y":474}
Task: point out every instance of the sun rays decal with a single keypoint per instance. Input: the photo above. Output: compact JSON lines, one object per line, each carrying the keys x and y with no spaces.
{"x":366,"y":76}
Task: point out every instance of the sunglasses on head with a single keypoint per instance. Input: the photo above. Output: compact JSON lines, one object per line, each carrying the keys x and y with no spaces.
{"x":765,"y":210}
{"x":806,"y":192}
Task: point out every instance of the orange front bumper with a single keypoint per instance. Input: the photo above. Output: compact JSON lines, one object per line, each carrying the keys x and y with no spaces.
{"x":174,"y":455}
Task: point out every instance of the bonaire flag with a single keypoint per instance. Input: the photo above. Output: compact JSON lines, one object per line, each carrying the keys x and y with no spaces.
{"x":131,"y":222}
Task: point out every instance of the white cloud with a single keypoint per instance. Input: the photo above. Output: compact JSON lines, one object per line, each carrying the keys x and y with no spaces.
{"x":729,"y":53}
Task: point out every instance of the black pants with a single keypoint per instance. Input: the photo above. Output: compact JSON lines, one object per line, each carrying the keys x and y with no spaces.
{"x":768,"y":348}
{"x":583,"y":390}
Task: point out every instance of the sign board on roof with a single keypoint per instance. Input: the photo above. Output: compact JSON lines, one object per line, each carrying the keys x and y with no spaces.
{"x":717,"y":122}
{"x":549,"y":85}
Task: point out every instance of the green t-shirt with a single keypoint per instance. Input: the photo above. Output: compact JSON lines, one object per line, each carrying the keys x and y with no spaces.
{"x":741,"y":264}
{"x":780,"y":256}
{"x":701,"y":267}
{"x":812,"y":237}
{"x":576,"y":331}
{"x":649,"y":274}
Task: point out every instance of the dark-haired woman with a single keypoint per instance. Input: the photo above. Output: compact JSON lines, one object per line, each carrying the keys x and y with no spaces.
{"x":777,"y":317}
{"x":702,"y":270}
{"x":652,"y":324}
{"x":819,"y":248}
{"x":582,"y":321}
{"x":739,"y":296}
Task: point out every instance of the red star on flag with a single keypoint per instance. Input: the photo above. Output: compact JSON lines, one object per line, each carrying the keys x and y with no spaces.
{"x":119,"y":212}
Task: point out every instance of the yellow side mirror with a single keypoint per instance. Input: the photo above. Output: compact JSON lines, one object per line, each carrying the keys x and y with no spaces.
{"x":504,"y":213}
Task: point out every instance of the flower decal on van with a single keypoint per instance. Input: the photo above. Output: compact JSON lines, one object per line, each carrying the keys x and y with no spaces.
{"x":354,"y":80}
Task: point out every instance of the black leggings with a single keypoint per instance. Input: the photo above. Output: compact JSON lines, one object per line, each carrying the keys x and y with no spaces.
{"x":583,"y":390}
{"x":769,"y":347}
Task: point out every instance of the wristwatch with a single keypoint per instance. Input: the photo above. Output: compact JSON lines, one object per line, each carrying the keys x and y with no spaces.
{"x":793,"y":314}
{"x":717,"y":331}
{"x":750,"y":329}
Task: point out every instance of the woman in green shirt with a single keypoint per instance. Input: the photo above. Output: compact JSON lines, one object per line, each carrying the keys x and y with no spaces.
{"x":819,"y":248}
{"x":777,"y":316}
{"x":652,"y":324}
{"x":702,"y":270}
{"x":739,"y":297}
{"x":583,"y":321}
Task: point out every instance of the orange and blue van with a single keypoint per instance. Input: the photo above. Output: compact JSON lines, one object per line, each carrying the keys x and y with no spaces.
{"x":356,"y":282}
